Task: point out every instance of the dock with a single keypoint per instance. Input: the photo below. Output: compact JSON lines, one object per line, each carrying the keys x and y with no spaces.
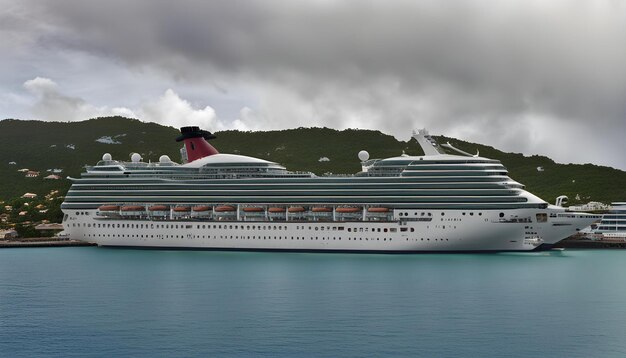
{"x":42,"y":242}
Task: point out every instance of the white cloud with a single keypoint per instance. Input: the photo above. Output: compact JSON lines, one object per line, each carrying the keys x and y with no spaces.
{"x":51,"y":104}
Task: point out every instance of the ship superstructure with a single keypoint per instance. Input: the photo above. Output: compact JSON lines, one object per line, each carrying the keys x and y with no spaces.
{"x":434,"y":202}
{"x":613,"y":224}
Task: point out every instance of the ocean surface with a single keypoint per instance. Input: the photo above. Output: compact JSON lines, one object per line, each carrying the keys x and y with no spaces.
{"x":113,"y":302}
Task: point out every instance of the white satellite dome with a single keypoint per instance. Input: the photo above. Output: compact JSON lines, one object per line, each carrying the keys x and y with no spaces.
{"x":135,"y":158}
{"x":164,"y":159}
{"x":364,"y":155}
{"x":107,"y":157}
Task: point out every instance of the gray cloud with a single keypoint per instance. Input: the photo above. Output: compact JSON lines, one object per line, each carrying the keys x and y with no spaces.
{"x":509,"y":74}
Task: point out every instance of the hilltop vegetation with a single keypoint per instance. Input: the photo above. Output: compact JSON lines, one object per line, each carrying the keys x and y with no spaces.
{"x":41,"y":146}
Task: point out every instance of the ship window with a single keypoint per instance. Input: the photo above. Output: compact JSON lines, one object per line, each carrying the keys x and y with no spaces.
{"x":501,"y":215}
{"x":542,"y":217}
{"x":412,"y":229}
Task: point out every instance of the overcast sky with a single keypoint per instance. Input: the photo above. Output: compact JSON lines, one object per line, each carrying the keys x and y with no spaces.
{"x":538,"y":77}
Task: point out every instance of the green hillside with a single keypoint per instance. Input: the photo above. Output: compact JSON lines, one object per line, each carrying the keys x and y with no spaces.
{"x":41,"y":146}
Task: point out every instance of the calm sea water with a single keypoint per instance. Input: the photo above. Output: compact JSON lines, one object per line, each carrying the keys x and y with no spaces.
{"x":111,"y":302}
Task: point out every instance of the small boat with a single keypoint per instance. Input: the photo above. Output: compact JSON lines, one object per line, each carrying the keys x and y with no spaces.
{"x":321,"y":209}
{"x":182,"y":209}
{"x":158,"y":208}
{"x":253,"y":209}
{"x":133,"y":208}
{"x":535,"y":241}
{"x":200,"y":208}
{"x":109,"y":208}
{"x":224,"y":208}
{"x":276,"y":210}
{"x":378,"y":210}
{"x":296,"y":209}
{"x":348,"y":210}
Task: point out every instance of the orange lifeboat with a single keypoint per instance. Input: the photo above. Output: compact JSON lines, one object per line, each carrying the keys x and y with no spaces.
{"x":201,"y":208}
{"x":378,"y":210}
{"x":224,"y":208}
{"x":321,"y":209}
{"x":109,"y":208}
{"x":133,"y":208}
{"x":158,"y":208}
{"x":348,"y":210}
{"x":182,"y":209}
{"x":296,"y":209}
{"x":276,"y":210}
{"x":253,"y":209}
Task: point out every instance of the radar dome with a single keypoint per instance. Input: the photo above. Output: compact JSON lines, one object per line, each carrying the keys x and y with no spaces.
{"x":135,"y":157}
{"x":107,"y":157}
{"x":364,"y":155}
{"x":164,"y":159}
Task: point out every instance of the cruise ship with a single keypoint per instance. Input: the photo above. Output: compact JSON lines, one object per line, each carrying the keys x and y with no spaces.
{"x":613,"y":224}
{"x":437,"y":202}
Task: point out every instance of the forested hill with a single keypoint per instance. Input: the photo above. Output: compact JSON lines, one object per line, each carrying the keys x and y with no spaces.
{"x":41,"y":146}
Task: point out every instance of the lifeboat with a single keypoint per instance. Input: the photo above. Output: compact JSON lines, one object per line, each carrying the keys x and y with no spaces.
{"x":348,"y":210}
{"x":378,"y":210}
{"x":253,"y":209}
{"x":224,"y":208}
{"x":296,"y":209}
{"x":182,"y":209}
{"x":276,"y":210}
{"x":132,"y":208}
{"x":201,"y":208}
{"x":321,"y":209}
{"x":109,"y":208}
{"x":158,"y":208}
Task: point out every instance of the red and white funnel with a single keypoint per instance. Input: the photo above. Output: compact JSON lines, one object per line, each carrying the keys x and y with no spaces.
{"x":196,"y":145}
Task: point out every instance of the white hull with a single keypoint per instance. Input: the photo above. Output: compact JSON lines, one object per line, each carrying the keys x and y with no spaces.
{"x":447,"y":230}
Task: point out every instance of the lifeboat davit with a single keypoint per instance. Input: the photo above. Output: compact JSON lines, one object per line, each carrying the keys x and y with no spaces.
{"x":378,"y":210}
{"x":224,"y":208}
{"x":158,"y":208}
{"x":348,"y":210}
{"x":182,"y":209}
{"x":276,"y":210}
{"x":201,"y":208}
{"x":133,"y":208}
{"x":109,"y":208}
{"x":296,"y":209}
{"x":321,"y":209}
{"x":253,"y":209}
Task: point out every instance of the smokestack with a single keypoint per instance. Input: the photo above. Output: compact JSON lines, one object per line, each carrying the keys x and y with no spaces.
{"x":196,"y":145}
